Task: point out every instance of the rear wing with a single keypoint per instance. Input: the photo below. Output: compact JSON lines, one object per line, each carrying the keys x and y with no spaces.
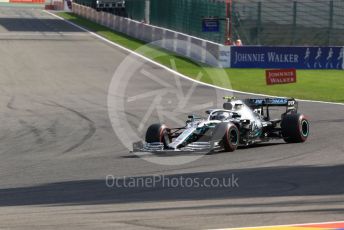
{"x":260,"y":105}
{"x":271,"y":102}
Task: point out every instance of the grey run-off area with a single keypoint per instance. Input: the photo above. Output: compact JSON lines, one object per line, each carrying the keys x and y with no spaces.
{"x":57,"y":146}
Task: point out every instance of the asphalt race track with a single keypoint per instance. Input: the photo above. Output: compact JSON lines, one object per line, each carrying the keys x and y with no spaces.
{"x":57,"y":146}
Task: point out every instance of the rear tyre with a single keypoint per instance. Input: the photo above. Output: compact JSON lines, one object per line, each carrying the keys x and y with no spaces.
{"x":295,"y":128}
{"x":229,"y":135}
{"x":158,"y":133}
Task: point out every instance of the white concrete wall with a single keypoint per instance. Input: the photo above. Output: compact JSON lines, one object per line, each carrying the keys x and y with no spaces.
{"x":197,"y":49}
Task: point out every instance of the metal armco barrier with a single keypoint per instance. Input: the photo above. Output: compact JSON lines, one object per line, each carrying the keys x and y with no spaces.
{"x":149,"y":33}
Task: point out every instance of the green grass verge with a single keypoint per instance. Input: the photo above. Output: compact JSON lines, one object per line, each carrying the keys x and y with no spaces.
{"x":323,"y":85}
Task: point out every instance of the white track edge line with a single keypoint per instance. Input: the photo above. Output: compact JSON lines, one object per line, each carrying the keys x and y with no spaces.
{"x":284,"y":225}
{"x":175,"y":72}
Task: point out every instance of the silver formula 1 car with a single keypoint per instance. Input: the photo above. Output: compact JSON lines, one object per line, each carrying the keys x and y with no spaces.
{"x":239,"y":123}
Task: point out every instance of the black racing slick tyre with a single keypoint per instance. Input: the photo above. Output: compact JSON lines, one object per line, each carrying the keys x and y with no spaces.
{"x":158,"y":133}
{"x":229,"y":135}
{"x":295,"y":128}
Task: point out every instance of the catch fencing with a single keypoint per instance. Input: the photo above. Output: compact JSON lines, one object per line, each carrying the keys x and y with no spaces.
{"x":180,"y":15}
{"x":289,"y":22}
{"x":255,"y":22}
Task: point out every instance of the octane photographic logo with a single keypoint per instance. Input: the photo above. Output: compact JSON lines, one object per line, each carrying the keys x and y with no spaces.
{"x":142,"y":93}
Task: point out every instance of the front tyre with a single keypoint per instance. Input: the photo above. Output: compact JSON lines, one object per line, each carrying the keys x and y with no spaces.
{"x":229,"y":135}
{"x":295,"y":128}
{"x":158,"y":133}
